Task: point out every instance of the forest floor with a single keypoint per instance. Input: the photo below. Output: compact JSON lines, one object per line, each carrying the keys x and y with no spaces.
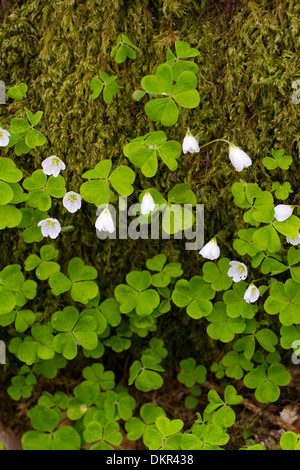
{"x":256,"y":423}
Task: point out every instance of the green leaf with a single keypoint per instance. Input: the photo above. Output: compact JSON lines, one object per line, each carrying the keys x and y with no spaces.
{"x":182,"y":194}
{"x":59,"y":283}
{"x":223,"y":327}
{"x":83,"y":291}
{"x":289,"y":441}
{"x":184,"y":92}
{"x":266,"y":239}
{"x":37,"y":180}
{"x":184,"y":50}
{"x":19,"y":125}
{"x":56,"y":186}
{"x":44,"y":418}
{"x":7,"y":300}
{"x":35,"y":139}
{"x":110,"y":89}
{"x":160,"y":83}
{"x":96,"y":87}
{"x":195,"y":295}
{"x":8,"y":171}
{"x":121,"y":180}
{"x":34,"y":119}
{"x":9,"y":216}
{"x":167,"y":427}
{"x":134,"y":428}
{"x":18,"y":92}
{"x":6,"y":193}
{"x":95,"y":192}
{"x":79,"y":271}
{"x":162,"y":110}
{"x":267,"y":339}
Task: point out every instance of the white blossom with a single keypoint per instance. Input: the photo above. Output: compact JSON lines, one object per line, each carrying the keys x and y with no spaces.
{"x":190,"y":144}
{"x":210,"y":250}
{"x":52,"y":165}
{"x":294,"y":241}
{"x":72,"y":201}
{"x":283,"y":212}
{"x":105,"y":221}
{"x":251,"y":294}
{"x":238,"y":271}
{"x":239,"y":158}
{"x":50,"y":227}
{"x":148,"y":204}
{"x":4,"y":137}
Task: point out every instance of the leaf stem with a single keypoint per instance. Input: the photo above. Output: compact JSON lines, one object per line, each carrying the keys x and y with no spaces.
{"x":216,"y":140}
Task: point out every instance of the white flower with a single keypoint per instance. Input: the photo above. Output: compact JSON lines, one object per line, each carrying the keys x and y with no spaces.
{"x":210,"y":250}
{"x":251,"y":294}
{"x":105,"y":221}
{"x":50,"y":227}
{"x":283,"y":212}
{"x":238,"y":271}
{"x":52,"y":165}
{"x":72,"y":201}
{"x":294,"y":241}
{"x":190,"y":144}
{"x":239,"y":158}
{"x":4,"y":137}
{"x":148,"y":204}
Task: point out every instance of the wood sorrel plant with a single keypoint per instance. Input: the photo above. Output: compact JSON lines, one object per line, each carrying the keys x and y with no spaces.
{"x":236,"y":299}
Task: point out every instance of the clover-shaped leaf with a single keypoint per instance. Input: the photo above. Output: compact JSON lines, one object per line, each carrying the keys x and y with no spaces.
{"x":289,"y":334}
{"x":144,"y":151}
{"x":18,"y":92}
{"x":183,"y":92}
{"x":223,"y":327}
{"x":108,"y":84}
{"x":96,"y":373}
{"x":82,"y":287}
{"x":267,"y":239}
{"x":235,"y":364}
{"x":74,"y":329}
{"x":244,"y":193}
{"x":284,"y":298}
{"x":123,"y":49}
{"x":120,"y":341}
{"x":195,"y":295}
{"x":191,"y":373}
{"x":166,"y":271}
{"x":145,"y":374}
{"x":282,"y":191}
{"x":278,"y":159}
{"x":163,"y":434}
{"x":217,"y":411}
{"x":41,"y":189}
{"x":136,"y":295}
{"x":97,"y":189}
{"x":217,"y":275}
{"x":267,"y":382}
{"x":235,"y":303}
{"x":37,"y":346}
{"x":293,"y":258}
{"x":43,"y":265}
{"x":178,"y":63}
{"x":244,"y":244}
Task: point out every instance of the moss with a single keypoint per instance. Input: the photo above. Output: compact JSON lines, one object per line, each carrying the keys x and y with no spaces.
{"x":248,"y":61}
